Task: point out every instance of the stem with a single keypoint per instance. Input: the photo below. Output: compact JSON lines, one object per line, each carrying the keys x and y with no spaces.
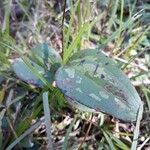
{"x":63,"y":19}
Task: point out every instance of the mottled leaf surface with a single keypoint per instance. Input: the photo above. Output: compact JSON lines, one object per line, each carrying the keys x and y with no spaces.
{"x":93,"y":80}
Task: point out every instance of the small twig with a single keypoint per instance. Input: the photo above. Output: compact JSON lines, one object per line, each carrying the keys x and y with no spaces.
{"x":63,"y":19}
{"x":142,"y":145}
{"x":86,"y":133}
{"x":13,"y":131}
{"x":143,"y":82}
{"x":26,"y":133}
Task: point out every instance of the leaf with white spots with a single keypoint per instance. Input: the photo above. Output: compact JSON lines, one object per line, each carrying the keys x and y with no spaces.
{"x":93,"y":80}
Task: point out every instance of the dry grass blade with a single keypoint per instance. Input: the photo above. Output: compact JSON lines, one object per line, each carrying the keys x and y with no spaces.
{"x":65,"y":143}
{"x":86,"y":133}
{"x":142,"y":145}
{"x":27,"y":132}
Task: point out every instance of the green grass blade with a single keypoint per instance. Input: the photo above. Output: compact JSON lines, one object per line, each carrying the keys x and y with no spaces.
{"x":140,"y":74}
{"x":132,"y":59}
{"x":3,"y":58}
{"x":69,"y":33}
{"x":125,"y":26}
{"x":65,"y":143}
{"x":133,"y":7}
{"x":137,"y":128}
{"x":147,"y":96}
{"x":109,"y":140}
{"x":24,"y":10}
{"x":112,"y":17}
{"x":6,"y":23}
{"x":119,"y":143}
{"x":16,"y":99}
{"x":47,"y":119}
{"x":118,"y":37}
{"x":68,"y":52}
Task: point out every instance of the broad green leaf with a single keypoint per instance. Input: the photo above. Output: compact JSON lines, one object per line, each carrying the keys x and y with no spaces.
{"x":25,"y":74}
{"x":93,"y":80}
{"x":44,"y":59}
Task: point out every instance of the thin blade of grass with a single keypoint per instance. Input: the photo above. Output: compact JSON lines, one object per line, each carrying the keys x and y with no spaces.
{"x":47,"y":119}
{"x":109,"y":140}
{"x":137,"y":128}
{"x":140,"y":74}
{"x":15,"y":100}
{"x":68,"y":52}
{"x":22,"y":126}
{"x":92,"y":23}
{"x":120,"y":144}
{"x":65,"y":143}
{"x":6,"y":23}
{"x":147,"y":96}
{"x":118,"y":37}
{"x":3,"y":58}
{"x":79,"y":16}
{"x":24,"y":10}
{"x":142,"y":145}
{"x":133,"y":7}
{"x":125,"y":26}
{"x":27,"y":132}
{"x":73,"y":10}
{"x":2,"y":113}
{"x":15,"y":135}
{"x":112,"y":17}
{"x":132,"y":59}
